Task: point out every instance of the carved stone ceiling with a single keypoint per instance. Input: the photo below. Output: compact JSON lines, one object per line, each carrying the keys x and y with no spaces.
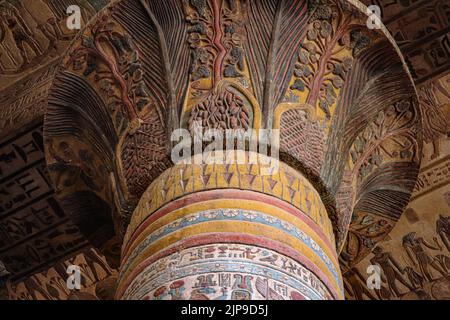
{"x":35,"y":232}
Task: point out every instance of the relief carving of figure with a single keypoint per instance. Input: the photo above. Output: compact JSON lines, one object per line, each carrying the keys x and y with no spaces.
{"x":357,"y":286}
{"x":416,"y":252}
{"x":45,"y":20}
{"x":443,"y":230}
{"x":415,"y":278}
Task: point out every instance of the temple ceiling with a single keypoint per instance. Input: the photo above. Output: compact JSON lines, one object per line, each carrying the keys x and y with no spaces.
{"x":308,"y":66}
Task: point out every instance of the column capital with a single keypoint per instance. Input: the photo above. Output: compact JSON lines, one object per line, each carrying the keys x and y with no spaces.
{"x":339,"y":92}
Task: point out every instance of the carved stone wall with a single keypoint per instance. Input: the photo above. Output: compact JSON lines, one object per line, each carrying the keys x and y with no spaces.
{"x":35,"y":232}
{"x":98,"y":281}
{"x":341,"y":95}
{"x":33,"y":35}
{"x":415,"y":258}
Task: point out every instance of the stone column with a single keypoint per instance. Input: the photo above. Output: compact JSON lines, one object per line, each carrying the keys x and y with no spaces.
{"x":206,"y":232}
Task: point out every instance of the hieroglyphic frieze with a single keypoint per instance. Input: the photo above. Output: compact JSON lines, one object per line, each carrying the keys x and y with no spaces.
{"x":221,"y":281}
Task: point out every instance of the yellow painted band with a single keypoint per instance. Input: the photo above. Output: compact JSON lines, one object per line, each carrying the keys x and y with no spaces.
{"x":243,"y":204}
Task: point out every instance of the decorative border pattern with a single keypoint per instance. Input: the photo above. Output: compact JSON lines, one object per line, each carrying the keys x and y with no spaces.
{"x":183,"y":179}
{"x":232,"y":215}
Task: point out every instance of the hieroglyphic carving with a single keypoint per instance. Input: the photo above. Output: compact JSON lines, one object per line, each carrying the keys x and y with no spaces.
{"x":24,"y":103}
{"x":424,"y":274}
{"x":433,"y":177}
{"x":21,"y":33}
{"x":435,"y":122}
{"x":224,"y":285}
{"x":32,"y":36}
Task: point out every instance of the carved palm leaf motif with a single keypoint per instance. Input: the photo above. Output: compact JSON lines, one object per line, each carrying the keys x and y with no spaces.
{"x":384,"y":144}
{"x":340,"y":83}
{"x":115,"y":65}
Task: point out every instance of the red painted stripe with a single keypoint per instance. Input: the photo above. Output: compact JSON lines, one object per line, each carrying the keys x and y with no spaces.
{"x":227,"y":194}
{"x":217,"y":238}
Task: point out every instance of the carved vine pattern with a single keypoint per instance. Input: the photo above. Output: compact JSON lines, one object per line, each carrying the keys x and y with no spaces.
{"x":215,"y":38}
{"x":216,"y":43}
{"x":121,"y":58}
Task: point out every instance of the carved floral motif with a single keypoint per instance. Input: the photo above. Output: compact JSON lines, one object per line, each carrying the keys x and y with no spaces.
{"x":216,"y":39}
{"x":222,"y":110}
{"x":109,"y":56}
{"x":390,"y":137}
